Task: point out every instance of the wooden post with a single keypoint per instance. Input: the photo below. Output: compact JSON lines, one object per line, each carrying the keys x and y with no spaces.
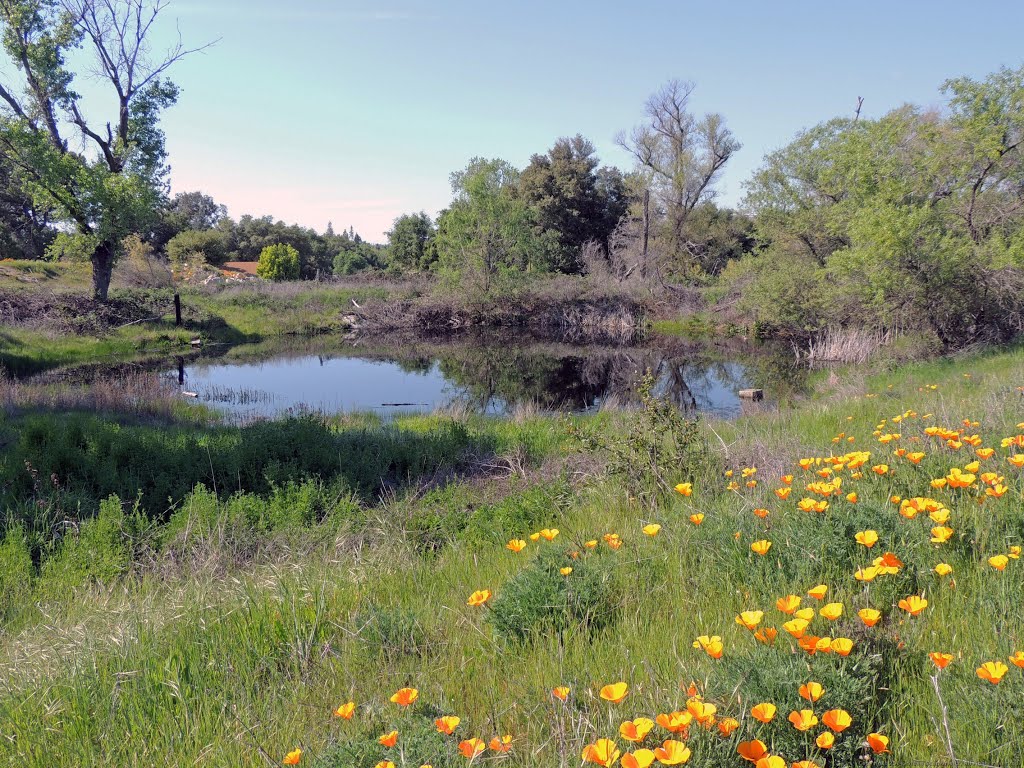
{"x":177,"y":309}
{"x":181,"y":371}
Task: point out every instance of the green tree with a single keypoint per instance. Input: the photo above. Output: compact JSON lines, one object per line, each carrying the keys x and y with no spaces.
{"x":206,"y":244}
{"x":913,"y":221}
{"x":278,"y":262}
{"x":407,"y":241}
{"x":187,"y":211}
{"x":575,"y":202}
{"x":488,"y":235}
{"x":112,"y":188}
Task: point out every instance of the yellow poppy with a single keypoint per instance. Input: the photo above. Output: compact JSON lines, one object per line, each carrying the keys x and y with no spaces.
{"x":803,"y":720}
{"x":292,"y":758}
{"x":345,"y":711}
{"x":831,"y":611}
{"x":615,"y":692}
{"x":811,"y":691}
{"x":636,"y":730}
{"x":992,"y":671}
{"x":602,"y":752}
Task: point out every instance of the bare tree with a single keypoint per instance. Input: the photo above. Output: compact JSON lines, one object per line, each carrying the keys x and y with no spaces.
{"x":681,"y":154}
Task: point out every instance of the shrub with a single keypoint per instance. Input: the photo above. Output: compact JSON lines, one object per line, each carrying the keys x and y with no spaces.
{"x":103,"y":549}
{"x":657,"y":448}
{"x":278,"y":262}
{"x":540,"y":599}
{"x":191,"y":244}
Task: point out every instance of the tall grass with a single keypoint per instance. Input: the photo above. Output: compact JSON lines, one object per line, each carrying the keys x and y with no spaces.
{"x":237,"y":665}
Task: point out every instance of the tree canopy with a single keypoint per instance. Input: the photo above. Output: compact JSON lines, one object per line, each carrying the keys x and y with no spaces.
{"x":104,"y":179}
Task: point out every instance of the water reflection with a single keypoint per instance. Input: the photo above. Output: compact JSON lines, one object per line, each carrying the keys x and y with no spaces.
{"x":487,"y":375}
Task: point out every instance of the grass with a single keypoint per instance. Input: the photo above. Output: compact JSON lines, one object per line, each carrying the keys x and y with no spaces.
{"x":183,"y":657}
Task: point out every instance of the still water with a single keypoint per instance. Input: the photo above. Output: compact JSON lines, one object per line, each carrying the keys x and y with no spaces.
{"x":333,"y":376}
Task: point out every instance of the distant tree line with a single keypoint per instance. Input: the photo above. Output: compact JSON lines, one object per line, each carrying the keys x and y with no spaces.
{"x":912,"y":221}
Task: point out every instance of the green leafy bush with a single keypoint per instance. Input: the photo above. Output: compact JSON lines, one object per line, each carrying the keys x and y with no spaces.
{"x":540,"y":599}
{"x":279,"y":262}
{"x":103,"y":549}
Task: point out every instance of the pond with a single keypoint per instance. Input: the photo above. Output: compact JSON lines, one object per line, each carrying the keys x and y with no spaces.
{"x":490,"y":376}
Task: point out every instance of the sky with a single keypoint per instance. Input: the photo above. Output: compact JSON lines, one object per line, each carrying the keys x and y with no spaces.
{"x":317,"y":111}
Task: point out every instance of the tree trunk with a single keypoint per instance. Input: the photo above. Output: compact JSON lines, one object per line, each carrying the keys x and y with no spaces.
{"x":102,"y":269}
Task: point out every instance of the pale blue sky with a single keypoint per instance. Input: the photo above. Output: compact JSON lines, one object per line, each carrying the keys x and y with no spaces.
{"x":355,"y":112}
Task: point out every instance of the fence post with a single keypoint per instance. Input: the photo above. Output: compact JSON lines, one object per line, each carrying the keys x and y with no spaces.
{"x":177,"y":309}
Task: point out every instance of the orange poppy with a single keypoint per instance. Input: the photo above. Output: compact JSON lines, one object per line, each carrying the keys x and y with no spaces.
{"x":675,"y":722}
{"x":684,"y":489}
{"x":764,"y":712}
{"x":766,"y":635}
{"x":841,"y":646}
{"x":447,"y":724}
{"x":879,"y":744}
{"x":712,"y":646}
{"x":479,"y":597}
{"x":672,"y":752}
{"x":642,"y":758}
{"x":868,"y":538}
{"x":788,"y":604}
{"x":818,"y":592}
{"x":516,"y":545}
{"x":405,"y":696}
{"x":761,"y":547}
{"x":939,"y":659}
{"x":345,"y":711}
{"x":752,"y":750}
{"x":560,"y":692}
{"x":504,"y":744}
{"x":293,"y":757}
{"x":388,"y":739}
{"x":727,"y":725}
{"x":837,"y":719}
{"x":999,"y":562}
{"x":825,"y":740}
{"x":796,"y":627}
{"x":470,"y":748}
{"x":1017,"y":659}
{"x":697,"y":518}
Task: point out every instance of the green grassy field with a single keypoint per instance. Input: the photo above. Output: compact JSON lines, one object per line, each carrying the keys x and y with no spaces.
{"x":226,"y":627}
